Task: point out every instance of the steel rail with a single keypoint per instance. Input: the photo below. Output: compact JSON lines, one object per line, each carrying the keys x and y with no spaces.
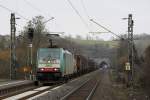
{"x":93,"y":90}
{"x":74,"y":90}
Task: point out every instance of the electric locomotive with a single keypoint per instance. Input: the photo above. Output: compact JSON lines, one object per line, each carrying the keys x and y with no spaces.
{"x":54,"y":64}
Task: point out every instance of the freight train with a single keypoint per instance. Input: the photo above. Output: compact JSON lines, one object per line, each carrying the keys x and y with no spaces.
{"x":57,"y":64}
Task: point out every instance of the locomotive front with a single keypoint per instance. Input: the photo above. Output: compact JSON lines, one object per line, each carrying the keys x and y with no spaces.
{"x":48,"y":64}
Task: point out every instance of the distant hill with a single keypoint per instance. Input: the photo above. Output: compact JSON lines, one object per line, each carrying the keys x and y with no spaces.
{"x":110,"y":44}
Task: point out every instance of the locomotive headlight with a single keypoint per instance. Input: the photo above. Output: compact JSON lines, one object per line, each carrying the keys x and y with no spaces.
{"x":41,"y":69}
{"x":49,"y":61}
{"x":55,"y":69}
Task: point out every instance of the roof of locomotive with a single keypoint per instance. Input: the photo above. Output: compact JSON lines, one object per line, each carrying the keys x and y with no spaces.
{"x":63,"y":50}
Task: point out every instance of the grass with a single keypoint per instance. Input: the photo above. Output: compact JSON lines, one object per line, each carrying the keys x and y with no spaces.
{"x":124,"y":93}
{"x":118,"y":89}
{"x":113,"y":75}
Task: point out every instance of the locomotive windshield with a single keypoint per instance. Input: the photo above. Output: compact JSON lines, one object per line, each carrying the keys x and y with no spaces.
{"x":47,"y":57}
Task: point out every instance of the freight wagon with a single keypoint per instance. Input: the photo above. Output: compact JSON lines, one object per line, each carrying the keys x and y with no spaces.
{"x":81,"y":64}
{"x":84,"y":65}
{"x":54,"y":64}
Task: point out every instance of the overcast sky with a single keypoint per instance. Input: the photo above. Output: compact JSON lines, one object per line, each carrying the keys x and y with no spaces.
{"x":109,"y":13}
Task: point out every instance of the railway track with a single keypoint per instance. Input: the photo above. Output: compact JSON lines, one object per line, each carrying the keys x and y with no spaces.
{"x":83,"y":92}
{"x":85,"y":86}
{"x":36,"y":92}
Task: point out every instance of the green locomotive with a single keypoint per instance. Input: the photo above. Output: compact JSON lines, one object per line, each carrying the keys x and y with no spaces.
{"x":54,"y":64}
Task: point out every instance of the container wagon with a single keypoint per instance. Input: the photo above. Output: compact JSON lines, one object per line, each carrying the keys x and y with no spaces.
{"x":54,"y":64}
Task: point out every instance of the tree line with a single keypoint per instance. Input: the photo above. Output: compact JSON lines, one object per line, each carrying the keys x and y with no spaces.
{"x":141,"y":67}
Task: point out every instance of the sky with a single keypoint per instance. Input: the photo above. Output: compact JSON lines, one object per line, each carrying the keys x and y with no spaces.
{"x":108,"y":13}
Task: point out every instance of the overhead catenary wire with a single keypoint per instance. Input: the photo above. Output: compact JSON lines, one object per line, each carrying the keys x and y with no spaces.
{"x":106,"y":28}
{"x":85,"y":10}
{"x":12,"y":11}
{"x":31,"y":5}
{"x":35,"y":7}
{"x":87,"y":14}
{"x":39,"y":10}
{"x":21,"y":16}
{"x":9,"y":10}
{"x":77,"y":12}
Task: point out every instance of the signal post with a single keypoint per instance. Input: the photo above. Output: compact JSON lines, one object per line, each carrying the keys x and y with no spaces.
{"x":30,"y":54}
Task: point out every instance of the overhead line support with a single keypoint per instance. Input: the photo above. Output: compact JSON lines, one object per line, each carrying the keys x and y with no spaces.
{"x":130,"y":43}
{"x":106,"y":29}
{"x":13,"y":47}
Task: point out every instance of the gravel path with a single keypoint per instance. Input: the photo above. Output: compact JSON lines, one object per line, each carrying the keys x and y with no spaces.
{"x":105,"y":89}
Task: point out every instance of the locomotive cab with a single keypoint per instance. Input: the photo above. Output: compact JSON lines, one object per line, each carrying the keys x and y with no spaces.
{"x":54,"y":64}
